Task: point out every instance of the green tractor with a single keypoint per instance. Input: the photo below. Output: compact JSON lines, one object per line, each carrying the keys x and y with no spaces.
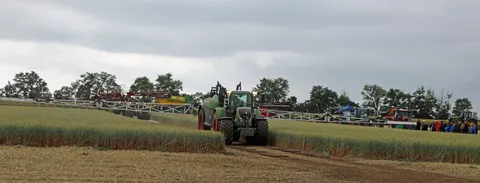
{"x":233,"y":114}
{"x":366,"y":114}
{"x":465,"y":116}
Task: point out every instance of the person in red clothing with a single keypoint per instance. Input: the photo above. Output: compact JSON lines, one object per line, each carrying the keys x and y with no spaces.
{"x":437,"y":126}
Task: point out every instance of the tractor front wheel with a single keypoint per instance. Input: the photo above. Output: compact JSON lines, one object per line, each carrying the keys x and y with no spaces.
{"x":261,"y":135}
{"x":227,"y":128}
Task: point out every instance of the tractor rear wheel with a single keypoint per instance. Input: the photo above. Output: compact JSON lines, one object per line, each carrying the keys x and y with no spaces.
{"x":228,"y":131}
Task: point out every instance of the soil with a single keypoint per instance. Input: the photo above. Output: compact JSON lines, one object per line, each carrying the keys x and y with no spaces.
{"x":258,"y":164}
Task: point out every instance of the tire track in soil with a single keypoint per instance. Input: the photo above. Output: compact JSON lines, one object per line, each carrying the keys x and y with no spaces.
{"x":347,"y":170}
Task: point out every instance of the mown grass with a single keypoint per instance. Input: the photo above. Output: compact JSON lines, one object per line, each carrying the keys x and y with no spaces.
{"x":54,"y":127}
{"x":364,"y":142}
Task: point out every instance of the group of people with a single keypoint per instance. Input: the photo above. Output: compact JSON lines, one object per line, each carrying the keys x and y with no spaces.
{"x":441,"y":126}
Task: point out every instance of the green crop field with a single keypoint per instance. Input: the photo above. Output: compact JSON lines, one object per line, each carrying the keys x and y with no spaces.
{"x":363,"y":142}
{"x":54,"y":127}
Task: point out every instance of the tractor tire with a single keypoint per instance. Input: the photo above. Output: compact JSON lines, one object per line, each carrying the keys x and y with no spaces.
{"x":129,"y":114}
{"x":144,"y":116}
{"x":261,"y":135}
{"x":116,"y":111}
{"x":228,"y":131}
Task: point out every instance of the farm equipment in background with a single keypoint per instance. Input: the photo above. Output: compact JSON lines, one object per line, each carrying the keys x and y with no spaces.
{"x":264,"y":107}
{"x":139,"y":101}
{"x":367,"y":114}
{"x":397,"y":118}
{"x":465,"y":116}
{"x":233,"y":114}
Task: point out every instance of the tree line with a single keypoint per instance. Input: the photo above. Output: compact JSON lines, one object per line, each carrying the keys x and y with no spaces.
{"x":423,"y":102}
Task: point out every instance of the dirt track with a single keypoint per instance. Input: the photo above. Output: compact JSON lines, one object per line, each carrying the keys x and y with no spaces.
{"x":348,"y":171}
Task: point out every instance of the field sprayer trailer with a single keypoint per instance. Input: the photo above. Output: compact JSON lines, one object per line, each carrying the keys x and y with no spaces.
{"x":233,"y":114}
{"x":133,"y":104}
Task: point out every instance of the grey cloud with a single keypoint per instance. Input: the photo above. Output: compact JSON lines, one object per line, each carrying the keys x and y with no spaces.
{"x":341,"y":44}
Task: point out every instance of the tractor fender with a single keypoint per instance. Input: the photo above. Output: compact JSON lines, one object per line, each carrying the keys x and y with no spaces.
{"x":220,"y":111}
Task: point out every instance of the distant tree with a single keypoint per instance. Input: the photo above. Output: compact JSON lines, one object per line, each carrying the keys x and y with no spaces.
{"x":344,"y":100}
{"x":9,"y":90}
{"x":90,"y":84}
{"x":396,"y":98}
{"x":301,"y":107}
{"x":442,"y":107}
{"x":168,"y":84}
{"x":276,"y":90}
{"x":424,"y":102}
{"x":373,"y":95}
{"x":64,"y":93}
{"x":142,"y":84}
{"x":462,"y":105}
{"x":322,"y":99}
{"x":28,"y":85}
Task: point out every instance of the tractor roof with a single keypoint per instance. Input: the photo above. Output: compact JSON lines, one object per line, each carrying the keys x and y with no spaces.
{"x":241,"y":92}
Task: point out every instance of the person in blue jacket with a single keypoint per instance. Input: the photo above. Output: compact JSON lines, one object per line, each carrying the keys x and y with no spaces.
{"x":474,"y":130}
{"x":452,"y":128}
{"x":447,"y":127}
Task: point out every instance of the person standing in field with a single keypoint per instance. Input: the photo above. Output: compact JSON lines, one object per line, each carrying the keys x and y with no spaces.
{"x":432,"y":126}
{"x":466,"y":128}
{"x":473,"y":129}
{"x":447,"y":127}
{"x":442,"y":127}
{"x":418,"y":127}
{"x":458,"y":128}
{"x":437,"y":126}
{"x":424,"y":126}
{"x":452,"y":128}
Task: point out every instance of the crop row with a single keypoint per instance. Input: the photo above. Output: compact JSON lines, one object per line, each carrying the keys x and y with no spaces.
{"x":360,"y":142}
{"x":54,"y":127}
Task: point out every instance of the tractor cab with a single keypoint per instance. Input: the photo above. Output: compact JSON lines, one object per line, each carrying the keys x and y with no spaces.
{"x":396,"y":114}
{"x":364,"y":112}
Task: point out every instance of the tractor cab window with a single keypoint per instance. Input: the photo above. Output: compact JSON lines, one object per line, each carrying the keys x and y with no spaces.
{"x":240,"y":100}
{"x":403,"y":113}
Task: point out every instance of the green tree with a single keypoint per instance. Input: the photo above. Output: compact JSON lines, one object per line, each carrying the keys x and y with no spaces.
{"x":64,"y":93}
{"x":373,"y":96}
{"x":443,"y":106}
{"x":396,"y":98}
{"x":168,"y":84}
{"x":301,"y":107}
{"x":322,"y":99}
{"x":9,"y":91}
{"x":344,"y":99}
{"x":142,"y":84}
{"x":462,"y":105}
{"x":275,"y":90}
{"x":424,"y":102}
{"x":91,"y":84}
{"x":29,"y":85}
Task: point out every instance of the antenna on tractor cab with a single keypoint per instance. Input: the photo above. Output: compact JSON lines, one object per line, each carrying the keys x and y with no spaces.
{"x":239,"y":86}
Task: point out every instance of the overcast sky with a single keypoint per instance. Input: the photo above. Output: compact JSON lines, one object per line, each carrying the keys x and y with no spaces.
{"x":341,"y":44}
